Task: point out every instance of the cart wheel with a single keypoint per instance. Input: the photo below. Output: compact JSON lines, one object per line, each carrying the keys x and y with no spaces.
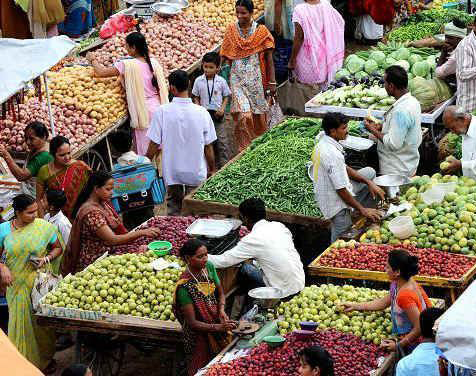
{"x":94,"y":160}
{"x":102,"y":354}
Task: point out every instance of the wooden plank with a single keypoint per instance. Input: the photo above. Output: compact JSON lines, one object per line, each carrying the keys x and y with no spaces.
{"x":164,"y":330}
{"x":316,"y":269}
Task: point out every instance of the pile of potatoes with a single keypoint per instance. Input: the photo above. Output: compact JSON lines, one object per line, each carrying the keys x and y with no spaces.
{"x":219,"y":13}
{"x":101,"y":99}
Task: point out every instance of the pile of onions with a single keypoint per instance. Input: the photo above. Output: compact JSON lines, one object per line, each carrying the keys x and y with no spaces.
{"x":176,"y":42}
{"x":69,"y":122}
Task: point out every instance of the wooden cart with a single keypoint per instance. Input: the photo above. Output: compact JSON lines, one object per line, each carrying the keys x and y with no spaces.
{"x":453,"y":286}
{"x":102,"y":344}
{"x":192,"y":206}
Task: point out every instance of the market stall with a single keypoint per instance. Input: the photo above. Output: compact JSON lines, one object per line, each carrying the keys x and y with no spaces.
{"x":450,"y":272}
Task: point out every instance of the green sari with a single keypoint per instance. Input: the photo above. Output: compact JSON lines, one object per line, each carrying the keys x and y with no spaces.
{"x":36,"y":343}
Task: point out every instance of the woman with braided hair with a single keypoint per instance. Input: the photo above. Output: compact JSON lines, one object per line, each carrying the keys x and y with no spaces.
{"x":145,"y":84}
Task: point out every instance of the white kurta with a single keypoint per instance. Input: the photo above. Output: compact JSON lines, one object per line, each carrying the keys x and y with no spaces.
{"x":468,"y":146}
{"x":271,"y":245}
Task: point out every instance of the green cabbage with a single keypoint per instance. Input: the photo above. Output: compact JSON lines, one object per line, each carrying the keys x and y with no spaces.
{"x":410,"y":75}
{"x":421,"y":68}
{"x":342,"y":73}
{"x":404,"y":64}
{"x":403,"y":54}
{"x":370,"y":66}
{"x":361,"y":74}
{"x":429,"y":92}
{"x":414,"y":58}
{"x":355,"y":65}
{"x":389,"y":61}
{"x":349,"y":58}
{"x":378,"y":57}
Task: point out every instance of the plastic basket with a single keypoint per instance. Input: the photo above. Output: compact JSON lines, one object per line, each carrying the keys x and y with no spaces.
{"x":402,"y":226}
{"x":160,"y":247}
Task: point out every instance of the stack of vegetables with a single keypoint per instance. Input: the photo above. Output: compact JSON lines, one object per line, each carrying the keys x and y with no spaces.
{"x":416,"y":61}
{"x":274,"y":169}
{"x":441,"y":16}
{"x":219,"y":13}
{"x":449,"y":225}
{"x":415,"y":31}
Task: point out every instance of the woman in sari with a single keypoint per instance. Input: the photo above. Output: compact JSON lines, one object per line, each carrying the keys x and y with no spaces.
{"x":145,"y":84}
{"x":24,"y":237}
{"x":249,"y":48}
{"x":63,"y":174}
{"x":406,"y":299}
{"x":97,"y":228}
{"x":36,"y":139}
{"x":199,"y":305}
{"x":318,"y":48}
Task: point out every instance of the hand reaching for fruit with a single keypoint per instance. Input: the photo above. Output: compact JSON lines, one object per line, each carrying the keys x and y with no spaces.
{"x":376,"y":191}
{"x":388,"y":344}
{"x":451,"y":164}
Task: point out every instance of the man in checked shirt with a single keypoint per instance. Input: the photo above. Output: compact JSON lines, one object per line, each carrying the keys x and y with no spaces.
{"x":466,"y":71}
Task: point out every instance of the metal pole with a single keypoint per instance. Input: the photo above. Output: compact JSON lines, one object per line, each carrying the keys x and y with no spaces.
{"x":50,"y":112}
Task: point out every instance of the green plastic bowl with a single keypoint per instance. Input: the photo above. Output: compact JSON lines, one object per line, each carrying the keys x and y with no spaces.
{"x":160,"y":247}
{"x":274,"y":341}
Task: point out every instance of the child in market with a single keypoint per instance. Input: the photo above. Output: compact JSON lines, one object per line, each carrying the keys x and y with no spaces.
{"x":56,"y":200}
{"x":212,"y":92}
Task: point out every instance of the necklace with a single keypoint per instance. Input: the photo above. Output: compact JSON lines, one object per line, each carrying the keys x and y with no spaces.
{"x":196,"y":280}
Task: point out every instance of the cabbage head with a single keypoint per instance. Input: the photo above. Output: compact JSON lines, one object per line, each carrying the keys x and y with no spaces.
{"x":421,"y":68}
{"x":355,"y":65}
{"x":378,"y":57}
{"x":410,"y":75}
{"x":404,"y":64}
{"x":403,"y":53}
{"x":414,"y":59}
{"x":370,"y":66}
{"x":360,"y":75}
{"x":349,"y":58}
{"x":389,"y":61}
{"x":342,"y":73}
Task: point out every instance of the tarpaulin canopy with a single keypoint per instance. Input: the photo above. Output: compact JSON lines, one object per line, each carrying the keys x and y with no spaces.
{"x":22,"y":60}
{"x":456,"y":334}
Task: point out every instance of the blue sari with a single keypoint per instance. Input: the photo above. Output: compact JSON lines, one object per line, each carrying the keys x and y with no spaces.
{"x":79,"y":17}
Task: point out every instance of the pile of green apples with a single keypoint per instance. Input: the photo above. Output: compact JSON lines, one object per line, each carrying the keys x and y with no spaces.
{"x":447,"y":226}
{"x":124,"y":284}
{"x":323,"y":304}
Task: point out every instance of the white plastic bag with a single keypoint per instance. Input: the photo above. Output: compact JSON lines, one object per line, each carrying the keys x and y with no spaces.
{"x":275,"y":115}
{"x":45,"y":282}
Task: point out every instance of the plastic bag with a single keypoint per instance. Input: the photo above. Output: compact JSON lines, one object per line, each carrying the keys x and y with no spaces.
{"x":45,"y":282}
{"x":119,"y":23}
{"x":275,"y":115}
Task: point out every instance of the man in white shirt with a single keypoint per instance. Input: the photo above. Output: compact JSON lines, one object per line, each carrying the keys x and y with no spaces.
{"x":399,"y":138}
{"x":462,"y":123}
{"x":466,"y":71}
{"x":184,"y":132}
{"x":334,"y":192}
{"x":271,"y":245}
{"x":56,"y":200}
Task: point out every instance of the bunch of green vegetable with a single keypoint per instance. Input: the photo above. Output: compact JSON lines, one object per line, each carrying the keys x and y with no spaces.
{"x":429,"y":92}
{"x":376,"y":60}
{"x":441,"y":16}
{"x":415,"y":31}
{"x":274,"y":170}
{"x":375,"y":97}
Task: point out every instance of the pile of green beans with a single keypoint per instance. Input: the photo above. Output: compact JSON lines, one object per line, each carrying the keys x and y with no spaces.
{"x":273,"y":170}
{"x":414,"y":31}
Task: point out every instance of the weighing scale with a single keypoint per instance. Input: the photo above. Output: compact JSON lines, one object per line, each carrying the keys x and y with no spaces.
{"x":219,"y":235}
{"x":392,"y":183}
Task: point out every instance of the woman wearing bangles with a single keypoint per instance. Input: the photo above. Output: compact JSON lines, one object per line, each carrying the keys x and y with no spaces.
{"x":199,"y":305}
{"x":248,"y":48}
{"x":406,"y":300}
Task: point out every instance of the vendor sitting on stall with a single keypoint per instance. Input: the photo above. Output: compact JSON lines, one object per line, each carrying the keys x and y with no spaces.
{"x":399,"y":138}
{"x":462,"y":123}
{"x":36,"y":139}
{"x":271,"y":245}
{"x":406,"y":300}
{"x":199,"y":305}
{"x":455,"y":31}
{"x":334,"y":192}
{"x":97,"y":228}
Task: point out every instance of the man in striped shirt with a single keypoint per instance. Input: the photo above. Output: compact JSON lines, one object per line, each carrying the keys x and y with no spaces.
{"x":466,"y":71}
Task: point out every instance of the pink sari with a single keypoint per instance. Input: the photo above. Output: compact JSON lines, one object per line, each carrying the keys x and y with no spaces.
{"x":322,"y":52}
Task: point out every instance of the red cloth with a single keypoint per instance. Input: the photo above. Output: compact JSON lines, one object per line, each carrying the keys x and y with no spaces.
{"x":381,"y":11}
